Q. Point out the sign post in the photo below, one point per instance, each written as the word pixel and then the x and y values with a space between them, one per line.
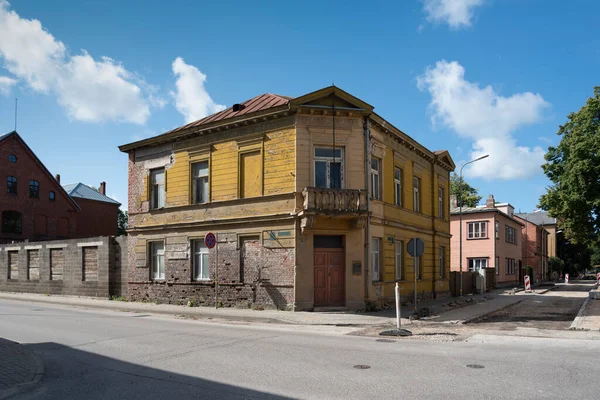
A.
pixel 415 248
pixel 398 331
pixel 210 240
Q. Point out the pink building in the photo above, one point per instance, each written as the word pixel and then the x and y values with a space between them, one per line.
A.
pixel 491 238
pixel 535 246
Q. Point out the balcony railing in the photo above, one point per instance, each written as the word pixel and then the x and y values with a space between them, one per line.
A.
pixel 334 201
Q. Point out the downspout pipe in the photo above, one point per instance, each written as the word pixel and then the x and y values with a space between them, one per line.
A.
pixel 433 236
pixel 367 133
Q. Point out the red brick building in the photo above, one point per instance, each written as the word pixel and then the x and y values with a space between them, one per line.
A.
pixel 535 247
pixel 99 213
pixel 34 206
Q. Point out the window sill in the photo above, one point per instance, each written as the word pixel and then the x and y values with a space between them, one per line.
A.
pixel 484 238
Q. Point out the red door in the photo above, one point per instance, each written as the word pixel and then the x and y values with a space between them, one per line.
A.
pixel 329 278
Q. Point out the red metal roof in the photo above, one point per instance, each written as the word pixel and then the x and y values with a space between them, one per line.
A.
pixel 258 103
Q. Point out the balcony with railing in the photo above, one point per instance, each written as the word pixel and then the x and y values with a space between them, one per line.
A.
pixel 335 201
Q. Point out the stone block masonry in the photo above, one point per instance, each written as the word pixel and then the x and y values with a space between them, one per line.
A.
pixel 82 267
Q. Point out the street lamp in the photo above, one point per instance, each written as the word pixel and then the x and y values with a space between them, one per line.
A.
pixel 460 184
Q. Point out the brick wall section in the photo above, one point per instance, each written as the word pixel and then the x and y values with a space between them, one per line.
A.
pixel 268 276
pixel 96 218
pixel 60 266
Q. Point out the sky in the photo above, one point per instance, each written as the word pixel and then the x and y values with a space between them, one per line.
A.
pixel 472 77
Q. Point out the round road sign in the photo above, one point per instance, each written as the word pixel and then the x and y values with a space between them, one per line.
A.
pixel 210 240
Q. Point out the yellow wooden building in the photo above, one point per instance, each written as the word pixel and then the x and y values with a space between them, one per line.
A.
pixel 313 200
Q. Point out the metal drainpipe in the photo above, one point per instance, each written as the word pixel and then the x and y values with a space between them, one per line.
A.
pixel 433 197
pixel 367 132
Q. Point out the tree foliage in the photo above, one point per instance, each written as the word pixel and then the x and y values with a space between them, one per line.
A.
pixel 458 187
pixel 574 169
pixel 122 222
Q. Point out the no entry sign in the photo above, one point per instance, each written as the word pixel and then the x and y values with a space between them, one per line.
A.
pixel 210 240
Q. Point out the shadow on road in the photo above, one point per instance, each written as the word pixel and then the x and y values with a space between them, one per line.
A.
pixel 71 373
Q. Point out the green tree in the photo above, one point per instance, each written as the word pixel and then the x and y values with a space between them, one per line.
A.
pixel 574 167
pixel 460 188
pixel 555 264
pixel 122 222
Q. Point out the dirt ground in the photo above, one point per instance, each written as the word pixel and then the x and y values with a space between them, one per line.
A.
pixel 552 311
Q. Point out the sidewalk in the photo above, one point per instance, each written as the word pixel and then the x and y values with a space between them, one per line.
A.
pixel 589 318
pixel 443 310
pixel 20 369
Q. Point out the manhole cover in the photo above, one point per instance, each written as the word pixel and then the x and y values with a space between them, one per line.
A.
pixel 362 366
pixel 385 340
pixel 475 366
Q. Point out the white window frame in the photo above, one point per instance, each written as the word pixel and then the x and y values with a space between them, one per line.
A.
pixel 196 180
pixel 157 256
pixel 482 261
pixel 416 194
pixel 442 261
pixel 328 161
pixel 477 230
pixel 200 272
pixel 156 189
pixel 399 252
pixel 440 202
pixel 497 230
pixel 376 179
pixel 376 259
pixel 398 186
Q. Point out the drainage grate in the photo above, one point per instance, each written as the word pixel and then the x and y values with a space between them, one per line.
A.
pixel 475 366
pixel 362 366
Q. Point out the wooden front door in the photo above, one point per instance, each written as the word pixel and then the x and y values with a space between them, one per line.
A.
pixel 329 278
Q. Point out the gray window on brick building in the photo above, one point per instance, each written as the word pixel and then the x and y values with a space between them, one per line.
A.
pixel 33 265
pixel 157 260
pixel 90 263
pixel 157 190
pixel 200 182
pixel 34 189
pixel 11 185
pixel 57 264
pixel 200 260
pixel 13 265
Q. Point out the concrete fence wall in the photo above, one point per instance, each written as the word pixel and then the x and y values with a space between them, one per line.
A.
pixel 84 267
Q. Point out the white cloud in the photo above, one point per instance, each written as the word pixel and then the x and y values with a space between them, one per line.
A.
pixel 90 90
pixel 6 84
pixel 487 118
pixel 191 98
pixel 456 13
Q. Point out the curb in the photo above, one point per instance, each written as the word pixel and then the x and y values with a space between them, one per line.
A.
pixel 473 319
pixel 38 374
pixel 579 316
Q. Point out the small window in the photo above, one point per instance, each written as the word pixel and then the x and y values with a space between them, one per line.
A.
pixel 510 235
pixel 441 202
pixel 497 230
pixel 52 196
pixel 11 222
pixel 399 260
pixel 416 194
pixel 376 258
pixel 477 230
pixel 157 259
pixel 12 158
pixel 157 191
pixel 475 264
pixel 398 187
pixel 34 189
pixel 200 182
pixel 442 261
pixel 375 179
pixel 497 265
pixel 11 185
pixel 200 260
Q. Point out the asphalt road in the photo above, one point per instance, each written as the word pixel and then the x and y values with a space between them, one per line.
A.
pixel 90 354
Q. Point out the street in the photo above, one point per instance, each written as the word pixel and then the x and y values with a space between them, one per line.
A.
pixel 91 354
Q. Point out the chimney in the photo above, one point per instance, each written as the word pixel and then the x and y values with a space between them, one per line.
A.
pixel 453 201
pixel 103 188
pixel 490 202
pixel 58 178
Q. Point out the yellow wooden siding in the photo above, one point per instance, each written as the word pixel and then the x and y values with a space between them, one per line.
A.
pixel 250 174
pixel 279 161
pixel 388 176
pixel 224 173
